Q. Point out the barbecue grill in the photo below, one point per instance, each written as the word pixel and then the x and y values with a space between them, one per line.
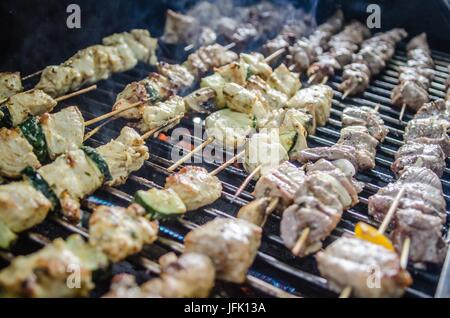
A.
pixel 274 264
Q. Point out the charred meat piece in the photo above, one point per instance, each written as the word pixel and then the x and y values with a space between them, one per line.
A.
pixel 282 182
pixel 425 233
pixel 429 130
pixel 352 262
pixel 419 155
pixel 415 197
pixel 367 117
pixel 231 244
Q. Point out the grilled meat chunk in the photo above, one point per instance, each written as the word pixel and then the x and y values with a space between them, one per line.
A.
pixel 120 232
pixel 22 206
pixel 49 272
pixel 282 182
pixel 367 117
pixel 355 78
pixel 415 196
pixel 81 177
pixel 335 152
pixel 284 81
pixel 274 98
pixel 325 66
pixel 124 155
pixel 155 115
pixel 201 100
pixel 63 130
pixel 16 153
pixel 231 244
pixel 29 103
pixel 419 155
pixel 429 130
pixel 10 84
pixel 209 57
pixel 229 128
pixel 180 29
pixel 195 186
pixel 191 275
pixel 352 262
pixel 178 75
pixel 364 144
pixel 425 233
pixel 316 100
pixel 410 93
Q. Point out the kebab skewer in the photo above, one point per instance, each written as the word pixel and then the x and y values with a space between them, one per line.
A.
pixel 369 61
pixel 340 53
pixel 415 78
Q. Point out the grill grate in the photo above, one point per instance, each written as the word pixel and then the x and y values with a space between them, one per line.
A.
pixel 274 263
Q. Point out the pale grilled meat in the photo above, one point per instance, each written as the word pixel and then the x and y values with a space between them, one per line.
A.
pixel 195 186
pixel 29 103
pixel 49 272
pixel 16 153
pixel 63 130
pixel 284 81
pixel 425 233
pixel 419 155
pixel 10 84
pixel 231 244
pixel 22 206
pixel 190 275
pixel 120 232
pixel 367 117
pixel 124 155
pixel 351 262
pixel 154 116
pixel 282 182
pixel 180 28
pixel 178 75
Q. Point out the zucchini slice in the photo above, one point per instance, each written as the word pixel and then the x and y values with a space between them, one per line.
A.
pixel 160 204
pixel 288 140
pixel 41 185
pixel 33 133
pixel 101 163
pixel 7 237
pixel 5 117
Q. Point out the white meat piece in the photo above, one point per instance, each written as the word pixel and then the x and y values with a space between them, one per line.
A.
pixel 231 244
pixel 156 115
pixel 285 81
pixel 10 84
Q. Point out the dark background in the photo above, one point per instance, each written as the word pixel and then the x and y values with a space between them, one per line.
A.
pixel 34 33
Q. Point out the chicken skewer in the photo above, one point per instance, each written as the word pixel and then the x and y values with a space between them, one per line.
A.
pixel 415 78
pixel 341 49
pixel 369 61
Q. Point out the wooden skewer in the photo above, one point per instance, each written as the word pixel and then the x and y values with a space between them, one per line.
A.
pixel 157 129
pixel 391 211
pixel 190 154
pixel 301 241
pixel 96 129
pixel 79 92
pixel 229 46
pixel 188 47
pixel 377 107
pixel 247 181
pixel 402 113
pixel 325 79
pixel 274 55
pixel 31 75
pixel 226 164
pixel 405 253
pixel 346 292
pixel 312 78
pixel 113 113
pixel 347 92
pixel 291 67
